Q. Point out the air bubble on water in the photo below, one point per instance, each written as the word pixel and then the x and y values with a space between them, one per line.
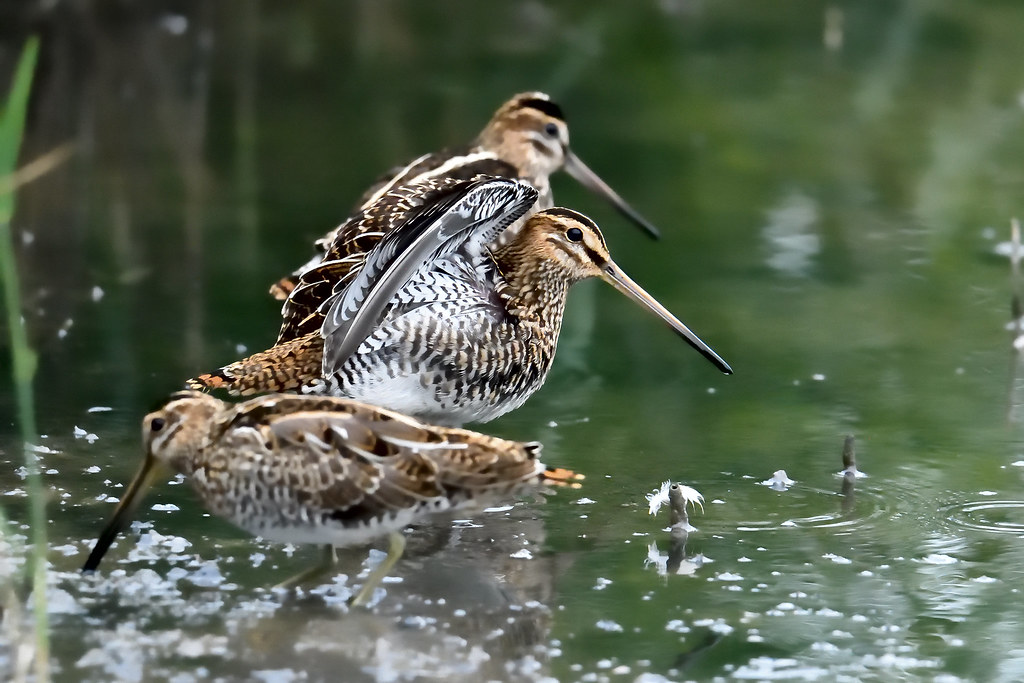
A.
pixel 207 645
pixel 716 625
pixel 206 576
pixel 59 601
pixel 609 626
pixel 779 481
pixel 83 434
pixel 176 573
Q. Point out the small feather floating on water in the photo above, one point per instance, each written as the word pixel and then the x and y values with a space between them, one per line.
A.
pixel 780 481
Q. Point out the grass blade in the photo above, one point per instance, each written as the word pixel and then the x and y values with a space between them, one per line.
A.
pixel 23 359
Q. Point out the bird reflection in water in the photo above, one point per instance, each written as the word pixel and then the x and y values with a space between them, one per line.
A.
pixel 676 561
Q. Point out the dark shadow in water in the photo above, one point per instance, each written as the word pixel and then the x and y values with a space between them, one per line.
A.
pixel 690 658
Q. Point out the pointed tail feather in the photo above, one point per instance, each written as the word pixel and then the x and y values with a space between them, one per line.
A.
pixel 552 476
pixel 559 476
pixel 282 288
pixel 285 367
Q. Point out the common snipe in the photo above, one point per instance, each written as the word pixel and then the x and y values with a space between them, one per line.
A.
pixel 307 469
pixel 527 138
pixel 435 323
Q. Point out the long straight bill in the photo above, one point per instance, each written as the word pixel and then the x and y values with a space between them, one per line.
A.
pixel 614 276
pixel 133 495
pixel 590 180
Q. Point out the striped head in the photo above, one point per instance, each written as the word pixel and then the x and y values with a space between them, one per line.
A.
pixel 529 132
pixel 564 244
pixel 173 435
pixel 558 247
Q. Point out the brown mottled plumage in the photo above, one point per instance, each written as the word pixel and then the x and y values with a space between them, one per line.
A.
pixel 527 138
pixel 305 469
pixel 347 253
pixel 467 339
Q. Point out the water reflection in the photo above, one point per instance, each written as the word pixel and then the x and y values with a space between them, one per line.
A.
pixel 676 562
pixel 466 603
pixel 791 235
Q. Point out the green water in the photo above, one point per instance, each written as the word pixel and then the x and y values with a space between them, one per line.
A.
pixel 832 182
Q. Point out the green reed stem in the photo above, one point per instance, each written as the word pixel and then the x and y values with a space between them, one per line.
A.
pixel 23 359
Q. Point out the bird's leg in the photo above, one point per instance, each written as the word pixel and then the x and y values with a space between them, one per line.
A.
pixel 327 563
pixel 395 550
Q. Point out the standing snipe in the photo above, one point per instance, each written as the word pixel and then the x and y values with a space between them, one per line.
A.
pixel 307 469
pixel 435 324
pixel 527 138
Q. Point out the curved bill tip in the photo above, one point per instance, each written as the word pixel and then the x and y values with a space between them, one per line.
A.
pixel 123 512
pixel 620 281
pixel 590 180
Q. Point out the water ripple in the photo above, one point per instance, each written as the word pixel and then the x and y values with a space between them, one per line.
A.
pixel 847 510
pixel 999 516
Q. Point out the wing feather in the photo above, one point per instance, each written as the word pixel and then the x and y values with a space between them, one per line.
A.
pixel 467 218
pixel 354 461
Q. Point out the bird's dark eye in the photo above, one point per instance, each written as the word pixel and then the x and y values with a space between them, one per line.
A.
pixel 551 130
pixel 574 235
pixel 157 424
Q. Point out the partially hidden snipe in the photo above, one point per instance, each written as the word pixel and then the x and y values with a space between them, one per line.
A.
pixel 526 139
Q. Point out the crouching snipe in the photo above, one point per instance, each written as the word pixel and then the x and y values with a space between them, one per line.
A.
pixel 305 469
